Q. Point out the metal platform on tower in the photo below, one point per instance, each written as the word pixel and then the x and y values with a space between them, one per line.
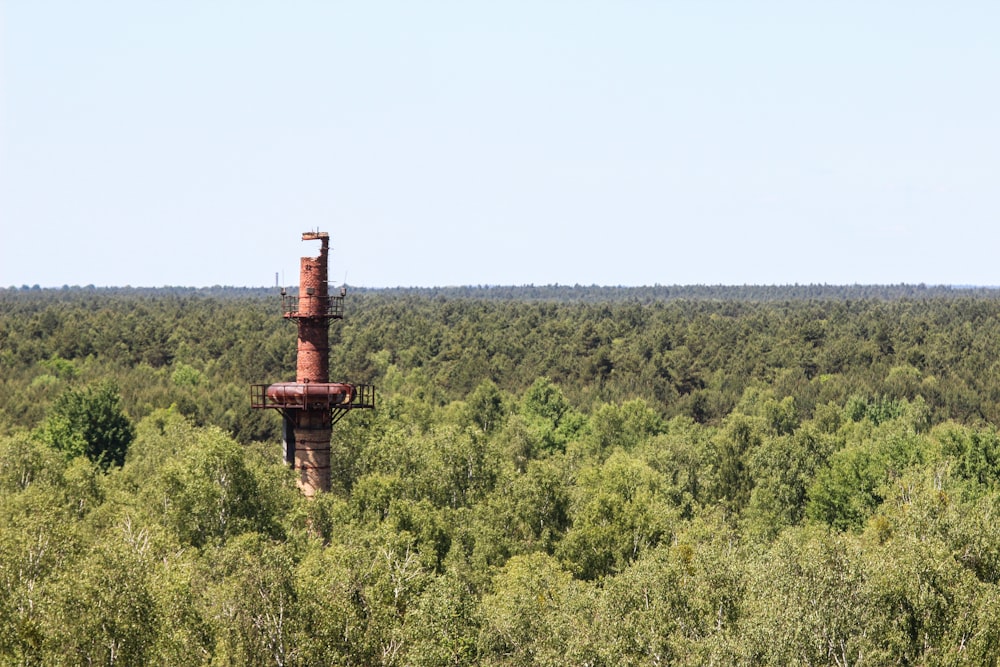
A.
pixel 337 397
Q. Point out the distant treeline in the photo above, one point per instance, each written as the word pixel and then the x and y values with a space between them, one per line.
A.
pixel 615 294
pixel 583 293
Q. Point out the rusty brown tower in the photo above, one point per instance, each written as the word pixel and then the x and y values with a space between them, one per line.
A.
pixel 312 404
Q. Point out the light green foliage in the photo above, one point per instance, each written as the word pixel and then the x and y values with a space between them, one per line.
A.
pixel 160 437
pixel 387 577
pixel 107 609
pixel 448 465
pixel 925 607
pixel 781 417
pixel 678 603
pixel 672 605
pixel 903 381
pixel 537 610
pixel 355 595
pixel 39 542
pixel 428 528
pixel 186 376
pixel 526 512
pixel 485 407
pixel 618 510
pixel 83 487
pixel 252 602
pixel 974 536
pixel 60 368
pixel 519 442
pixel 625 426
pixel 846 491
pixel 783 468
pixel 976 452
pixel 684 457
pixel 180 582
pixel 211 492
pixel 441 626
pixel 25 461
pixel 332 610
pixel 805 602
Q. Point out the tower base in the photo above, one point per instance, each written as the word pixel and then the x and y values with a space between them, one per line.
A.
pixel 310 449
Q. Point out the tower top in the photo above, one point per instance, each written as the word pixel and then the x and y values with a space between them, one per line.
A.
pixel 313 236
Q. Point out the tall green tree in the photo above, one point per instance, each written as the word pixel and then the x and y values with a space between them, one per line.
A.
pixel 90 422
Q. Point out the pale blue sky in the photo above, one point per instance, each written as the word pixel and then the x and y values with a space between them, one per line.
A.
pixel 616 142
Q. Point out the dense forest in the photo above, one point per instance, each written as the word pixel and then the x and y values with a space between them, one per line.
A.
pixel 802 475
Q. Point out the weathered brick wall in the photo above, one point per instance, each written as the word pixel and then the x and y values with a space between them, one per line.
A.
pixel 313 284
pixel 313 361
pixel 312 429
pixel 312 451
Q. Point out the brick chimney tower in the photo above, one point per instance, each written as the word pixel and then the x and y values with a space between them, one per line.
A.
pixel 312 404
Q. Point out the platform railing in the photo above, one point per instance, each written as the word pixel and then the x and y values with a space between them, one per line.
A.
pixel 331 307
pixel 364 396
pixel 258 396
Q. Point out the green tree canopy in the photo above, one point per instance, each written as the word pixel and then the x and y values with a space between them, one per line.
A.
pixel 89 422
